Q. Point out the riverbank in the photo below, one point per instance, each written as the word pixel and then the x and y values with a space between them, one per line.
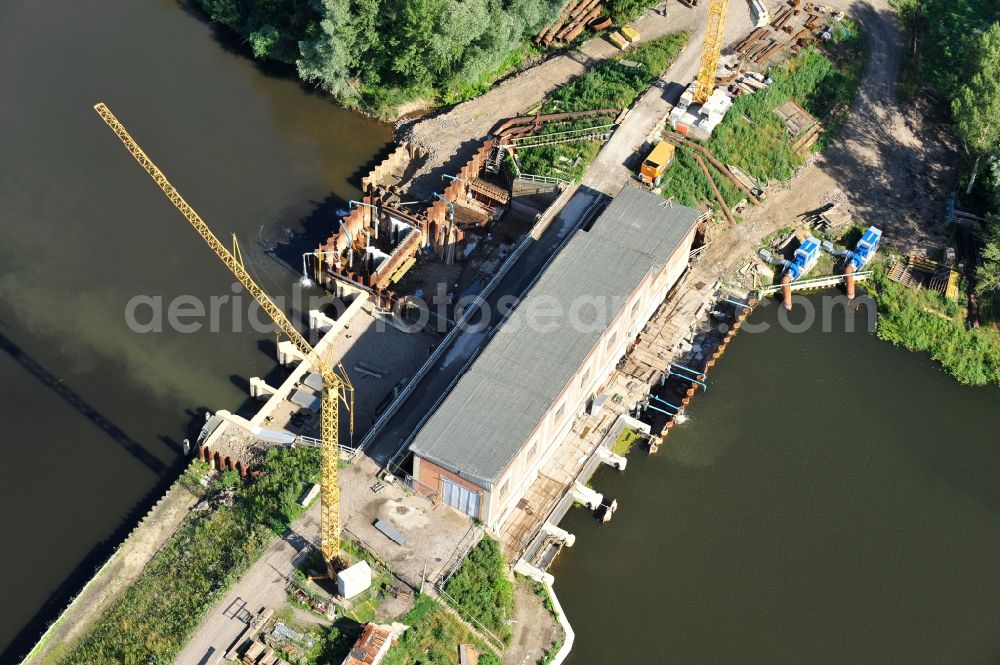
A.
pixel 925 320
pixel 117 574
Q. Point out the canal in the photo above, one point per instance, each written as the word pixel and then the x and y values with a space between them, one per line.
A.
pixel 93 414
pixel 832 499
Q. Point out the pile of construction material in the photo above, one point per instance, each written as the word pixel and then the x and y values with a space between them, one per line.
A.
pixel 803 127
pixel 578 15
pixel 766 41
pixel 748 82
pixel 831 216
pixel 622 38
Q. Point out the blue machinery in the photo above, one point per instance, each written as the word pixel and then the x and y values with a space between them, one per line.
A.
pixel 863 252
pixel 803 260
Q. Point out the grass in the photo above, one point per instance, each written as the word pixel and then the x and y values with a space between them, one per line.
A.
pixel 433 636
pixel 626 11
pixel 608 85
pixel 482 590
pixel 752 137
pixel 623 444
pixel 906 318
pixel 153 618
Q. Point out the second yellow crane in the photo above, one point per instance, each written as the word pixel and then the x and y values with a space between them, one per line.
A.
pixel 334 384
pixel 711 51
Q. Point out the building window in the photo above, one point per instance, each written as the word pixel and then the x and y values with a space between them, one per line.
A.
pixel 533 450
pixel 585 378
pixel 559 412
pixel 503 489
pixel 612 340
pixel 635 310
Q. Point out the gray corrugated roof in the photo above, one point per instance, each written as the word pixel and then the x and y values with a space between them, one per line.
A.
pixel 641 221
pixel 495 406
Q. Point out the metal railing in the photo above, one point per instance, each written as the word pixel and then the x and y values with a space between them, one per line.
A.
pixel 816 282
pixel 313 442
pixel 538 140
pixel 548 180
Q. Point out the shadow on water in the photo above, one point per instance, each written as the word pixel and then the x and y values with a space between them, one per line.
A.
pixel 316 227
pixel 96 557
pixel 71 397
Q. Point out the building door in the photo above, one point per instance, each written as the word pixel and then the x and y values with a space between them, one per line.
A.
pixel 461 498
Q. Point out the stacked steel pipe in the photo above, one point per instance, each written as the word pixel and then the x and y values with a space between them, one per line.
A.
pixel 578 15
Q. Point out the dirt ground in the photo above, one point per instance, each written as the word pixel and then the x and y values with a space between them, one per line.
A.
pixel 892 163
pixel 450 137
pixel 534 628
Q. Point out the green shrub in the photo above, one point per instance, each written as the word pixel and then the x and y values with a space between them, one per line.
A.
pixel 433 636
pixel 754 139
pixel 625 11
pixel 971 356
pixel 481 588
pixel 155 615
pixel 609 85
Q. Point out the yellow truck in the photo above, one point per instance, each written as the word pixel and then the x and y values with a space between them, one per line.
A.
pixel 656 163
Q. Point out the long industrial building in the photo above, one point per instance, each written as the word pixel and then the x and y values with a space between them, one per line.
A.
pixel 506 416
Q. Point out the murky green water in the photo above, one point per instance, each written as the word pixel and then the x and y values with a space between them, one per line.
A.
pixel 92 413
pixel 831 500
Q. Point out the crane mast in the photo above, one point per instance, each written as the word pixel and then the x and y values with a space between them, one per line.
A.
pixel 712 49
pixel 333 384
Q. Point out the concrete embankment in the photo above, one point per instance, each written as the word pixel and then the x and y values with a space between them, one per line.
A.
pixel 117 573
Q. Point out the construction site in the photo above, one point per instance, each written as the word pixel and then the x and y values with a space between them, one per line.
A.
pixel 439 421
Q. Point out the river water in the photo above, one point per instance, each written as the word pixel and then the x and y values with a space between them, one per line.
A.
pixel 92 413
pixel 831 500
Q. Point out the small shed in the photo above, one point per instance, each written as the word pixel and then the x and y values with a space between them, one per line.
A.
pixel 354 580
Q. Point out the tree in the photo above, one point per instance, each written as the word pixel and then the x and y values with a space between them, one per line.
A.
pixel 988 274
pixel 976 106
pixel 326 58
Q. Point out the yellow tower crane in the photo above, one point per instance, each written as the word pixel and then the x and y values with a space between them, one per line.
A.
pixel 335 384
pixel 710 52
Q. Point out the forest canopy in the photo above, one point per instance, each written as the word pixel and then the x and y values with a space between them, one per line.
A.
pixel 378 54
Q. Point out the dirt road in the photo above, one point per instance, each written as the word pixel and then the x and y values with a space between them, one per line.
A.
pixel 451 137
pixel 892 163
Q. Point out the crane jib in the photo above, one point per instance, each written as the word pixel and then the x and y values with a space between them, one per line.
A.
pixel 333 384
